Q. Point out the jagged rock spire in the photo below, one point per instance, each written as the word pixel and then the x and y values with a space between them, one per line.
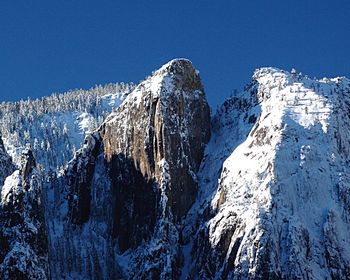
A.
pixel 27 162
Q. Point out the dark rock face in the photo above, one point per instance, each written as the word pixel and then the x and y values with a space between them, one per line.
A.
pixel 23 242
pixel 134 201
pixel 79 178
pixel 7 167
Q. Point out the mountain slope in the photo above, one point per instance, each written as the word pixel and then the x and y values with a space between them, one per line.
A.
pixel 280 208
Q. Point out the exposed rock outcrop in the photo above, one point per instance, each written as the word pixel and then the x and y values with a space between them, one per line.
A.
pixel 135 178
pixel 23 236
pixel 166 118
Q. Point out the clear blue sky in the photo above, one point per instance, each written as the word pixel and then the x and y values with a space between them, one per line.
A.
pixel 53 46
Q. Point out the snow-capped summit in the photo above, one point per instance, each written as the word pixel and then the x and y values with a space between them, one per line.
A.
pixel 178 74
pixel 176 65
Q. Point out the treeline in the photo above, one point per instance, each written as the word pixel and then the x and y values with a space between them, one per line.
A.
pixel 52 125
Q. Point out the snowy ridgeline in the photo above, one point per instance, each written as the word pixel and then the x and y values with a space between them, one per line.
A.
pixel 55 126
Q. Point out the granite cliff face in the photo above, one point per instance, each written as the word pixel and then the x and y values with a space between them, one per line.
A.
pixel 164 124
pixel 163 191
pixel 135 178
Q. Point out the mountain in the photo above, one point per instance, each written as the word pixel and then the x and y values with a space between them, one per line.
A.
pixel 162 190
pixel 124 197
pixel 280 207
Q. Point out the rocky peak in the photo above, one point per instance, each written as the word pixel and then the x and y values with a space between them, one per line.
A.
pixel 281 193
pixel 185 76
pixel 135 178
pixel 165 119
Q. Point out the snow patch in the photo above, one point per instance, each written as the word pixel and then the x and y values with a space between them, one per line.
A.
pixel 12 185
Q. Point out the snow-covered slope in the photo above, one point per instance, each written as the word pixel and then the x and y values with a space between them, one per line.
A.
pixel 280 206
pixel 55 126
